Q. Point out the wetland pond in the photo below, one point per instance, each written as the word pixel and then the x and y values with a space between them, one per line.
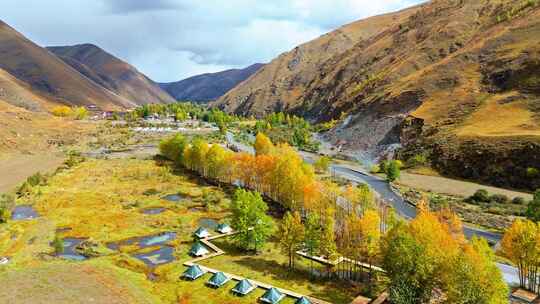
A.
pixel 208 223
pixel 153 211
pixel 24 212
pixel 144 241
pixel 160 256
pixel 174 197
pixel 70 249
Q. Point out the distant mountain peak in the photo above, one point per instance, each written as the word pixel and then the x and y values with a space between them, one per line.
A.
pixel 209 86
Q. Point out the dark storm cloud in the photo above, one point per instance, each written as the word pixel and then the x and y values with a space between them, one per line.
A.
pixel 172 39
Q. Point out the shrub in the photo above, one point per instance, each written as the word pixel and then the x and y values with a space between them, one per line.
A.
pixel 499 198
pixel 518 200
pixel 6 203
pixel 61 111
pixel 79 113
pixel 37 179
pixel 416 161
pixel 532 172
pixel 480 196
pixel 24 189
pixel 384 165
pixel 322 164
pixel 399 163
pixel 392 171
pixel 58 245
pixel 375 169
pixel 74 158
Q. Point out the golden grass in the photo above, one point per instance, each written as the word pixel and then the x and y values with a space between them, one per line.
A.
pixel 496 119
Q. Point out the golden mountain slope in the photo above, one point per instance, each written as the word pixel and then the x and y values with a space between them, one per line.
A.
pixel 49 76
pixel 112 73
pixel 457 79
pixel 281 84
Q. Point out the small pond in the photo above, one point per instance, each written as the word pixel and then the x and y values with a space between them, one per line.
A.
pixel 70 249
pixel 153 211
pixel 208 223
pixel 163 255
pixel 23 212
pixel 144 241
pixel 174 197
pixel 196 209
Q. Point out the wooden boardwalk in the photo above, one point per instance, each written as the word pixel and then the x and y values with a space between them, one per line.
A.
pixel 337 261
pixel 218 252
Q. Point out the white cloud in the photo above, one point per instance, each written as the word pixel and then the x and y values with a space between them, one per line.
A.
pixel 172 39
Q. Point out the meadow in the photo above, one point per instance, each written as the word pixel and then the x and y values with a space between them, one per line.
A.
pixel 105 203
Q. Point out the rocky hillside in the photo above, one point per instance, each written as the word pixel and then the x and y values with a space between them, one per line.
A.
pixel 28 67
pixel 210 86
pixel 112 73
pixel 457 80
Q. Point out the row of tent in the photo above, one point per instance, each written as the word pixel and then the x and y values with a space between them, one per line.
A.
pixel 243 287
pixel 199 249
pixel 202 233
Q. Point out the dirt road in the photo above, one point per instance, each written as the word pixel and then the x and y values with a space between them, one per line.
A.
pixel 451 186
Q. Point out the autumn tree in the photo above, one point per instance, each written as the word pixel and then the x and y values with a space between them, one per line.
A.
pixel 173 148
pixel 521 244
pixel 312 236
pixel 327 246
pixel 322 164
pixel 291 235
pixel 370 235
pixel 199 148
pixel 475 278
pixel 424 256
pixel 216 162
pixel 250 220
pixel 263 145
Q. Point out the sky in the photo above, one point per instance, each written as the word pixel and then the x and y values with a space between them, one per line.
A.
pixel 169 40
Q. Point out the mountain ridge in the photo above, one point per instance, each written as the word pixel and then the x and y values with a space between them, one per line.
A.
pixel 209 86
pixel 48 76
pixel 112 73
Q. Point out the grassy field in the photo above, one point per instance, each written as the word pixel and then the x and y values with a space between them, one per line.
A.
pixel 103 200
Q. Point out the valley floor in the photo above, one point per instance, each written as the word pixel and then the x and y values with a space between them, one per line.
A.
pixel 104 202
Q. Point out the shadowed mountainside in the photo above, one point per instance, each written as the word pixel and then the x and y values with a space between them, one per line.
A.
pixel 112 73
pixel 210 86
pixel 458 80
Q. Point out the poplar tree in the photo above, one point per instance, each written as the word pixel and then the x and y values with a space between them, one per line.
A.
pixel 263 145
pixel 291 235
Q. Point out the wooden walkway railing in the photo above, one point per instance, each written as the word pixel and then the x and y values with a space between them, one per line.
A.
pixel 337 261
